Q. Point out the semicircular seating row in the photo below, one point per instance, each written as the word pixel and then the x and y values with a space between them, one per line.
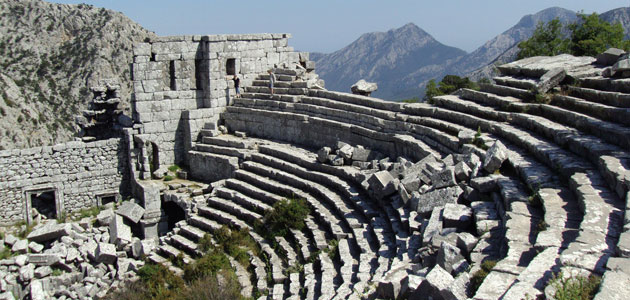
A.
pixel 571 154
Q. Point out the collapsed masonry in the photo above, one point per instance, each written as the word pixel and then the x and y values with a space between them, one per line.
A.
pixel 407 222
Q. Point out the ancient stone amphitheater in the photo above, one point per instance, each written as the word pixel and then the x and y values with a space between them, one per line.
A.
pixel 556 204
pixel 530 172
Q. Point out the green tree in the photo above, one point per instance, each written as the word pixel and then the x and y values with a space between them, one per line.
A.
pixel 431 91
pixel 547 39
pixel 591 35
pixel 451 83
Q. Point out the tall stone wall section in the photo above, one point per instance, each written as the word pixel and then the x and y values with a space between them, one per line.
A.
pixel 182 82
pixel 78 173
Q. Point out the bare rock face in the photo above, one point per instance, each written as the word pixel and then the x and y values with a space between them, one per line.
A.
pixel 51 55
pixel 363 87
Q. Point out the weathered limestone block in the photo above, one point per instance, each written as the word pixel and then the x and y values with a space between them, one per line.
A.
pixel 346 152
pixel 448 256
pixel 106 253
pixel 466 242
pixel 438 284
pixel 425 203
pixel 609 57
pixel 457 216
pixel 551 79
pixel 131 211
pixel 393 284
pixel 43 259
pixel 363 87
pixel 48 232
pixel 495 156
pixel 322 154
pixel 119 232
pixel 104 217
pixel 21 246
pixel 382 184
pixel 462 172
pixel 444 178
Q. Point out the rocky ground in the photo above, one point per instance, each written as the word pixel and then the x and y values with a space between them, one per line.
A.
pixel 83 259
pixel 50 55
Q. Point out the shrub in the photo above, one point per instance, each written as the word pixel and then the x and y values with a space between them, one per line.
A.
pixel 575 288
pixel 411 100
pixel 285 215
pixel 5 253
pixel 236 243
pixel 174 168
pixel 158 282
pixel 547 39
pixel 205 243
pixel 209 264
pixel 168 178
pixel 477 279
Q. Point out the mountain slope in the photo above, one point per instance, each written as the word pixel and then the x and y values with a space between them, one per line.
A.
pixel 387 58
pixel 621 15
pixel 50 54
pixel 506 42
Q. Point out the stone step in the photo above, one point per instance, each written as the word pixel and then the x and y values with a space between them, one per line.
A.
pixel 170 251
pixel 279 77
pixel 260 274
pixel 157 259
pixel 279 188
pixel 242 276
pixel 426 137
pixel 290 254
pixel 265 96
pixel 230 141
pixel 252 191
pixel 502 90
pixel 234 209
pixel 228 151
pixel 192 233
pixel 277 84
pixel 222 217
pixel 621 85
pixel 185 244
pixel 204 223
pixel 245 201
pixel 276 91
pixel 595 110
pixel 607 157
pixel 523 83
pixel 536 276
pixel 615 99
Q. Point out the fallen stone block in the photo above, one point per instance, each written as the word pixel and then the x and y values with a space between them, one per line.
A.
pixel 48 232
pixel 346 152
pixel 131 211
pixel 21 246
pixel 462 172
pixel 44 259
pixel 105 216
pixel 444 178
pixel 609 57
pixel 485 184
pixel 10 239
pixel 335 160
pixel 393 284
pixel 448 255
pixel 119 232
pixel 457 216
pixel 382 184
pixel 35 247
pixel 466 242
pixel 425 203
pixel 550 79
pixel 106 253
pixel 322 154
pixel 495 156
pixel 363 87
pixel 438 284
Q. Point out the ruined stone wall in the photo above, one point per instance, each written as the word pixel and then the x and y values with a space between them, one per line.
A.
pixel 79 174
pixel 182 82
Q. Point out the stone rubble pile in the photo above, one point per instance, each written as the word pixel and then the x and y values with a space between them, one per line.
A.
pixel 452 215
pixel 78 260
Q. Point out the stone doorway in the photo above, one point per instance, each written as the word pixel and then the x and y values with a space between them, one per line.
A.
pixel 153 154
pixel 174 213
pixel 230 66
pixel 42 204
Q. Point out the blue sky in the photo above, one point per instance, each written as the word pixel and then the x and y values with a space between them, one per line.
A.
pixel 329 25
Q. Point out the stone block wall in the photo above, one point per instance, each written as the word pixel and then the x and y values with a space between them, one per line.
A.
pixel 175 76
pixel 78 173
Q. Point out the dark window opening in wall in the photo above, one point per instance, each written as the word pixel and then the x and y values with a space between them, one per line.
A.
pixel 230 66
pixel 171 72
pixel 154 156
pixel 198 80
pixel 43 205
pixel 152 57
pixel 174 213
pixel 106 199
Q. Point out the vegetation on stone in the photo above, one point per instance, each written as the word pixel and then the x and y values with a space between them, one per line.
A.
pixel 285 215
pixel 575 287
pixel 589 36
pixel 477 279
pixel 448 84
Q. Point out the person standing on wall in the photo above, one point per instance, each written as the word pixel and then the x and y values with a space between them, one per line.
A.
pixel 237 86
pixel 272 80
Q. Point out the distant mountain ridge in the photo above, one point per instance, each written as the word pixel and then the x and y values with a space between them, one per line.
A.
pixel 337 68
pixel 387 58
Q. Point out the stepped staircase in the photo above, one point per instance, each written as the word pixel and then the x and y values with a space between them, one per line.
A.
pixel 561 211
